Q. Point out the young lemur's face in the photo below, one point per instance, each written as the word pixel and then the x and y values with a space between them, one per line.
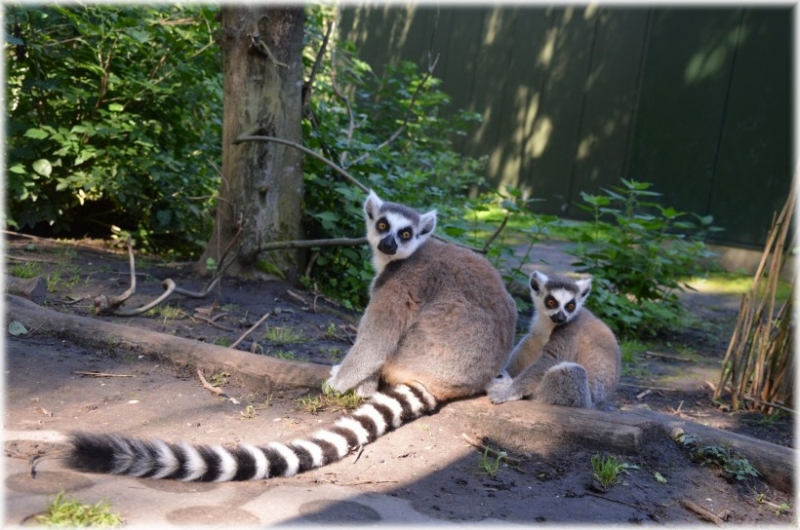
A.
pixel 396 231
pixel 557 297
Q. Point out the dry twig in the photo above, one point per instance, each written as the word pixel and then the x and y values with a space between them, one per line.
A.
pixel 702 512
pixel 249 331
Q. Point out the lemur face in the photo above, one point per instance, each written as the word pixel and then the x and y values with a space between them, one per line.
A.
pixel 395 231
pixel 557 297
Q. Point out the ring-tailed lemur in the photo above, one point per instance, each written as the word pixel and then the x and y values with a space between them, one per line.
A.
pixel 439 325
pixel 569 356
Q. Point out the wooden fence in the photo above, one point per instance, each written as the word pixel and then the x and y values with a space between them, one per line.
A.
pixel 697 101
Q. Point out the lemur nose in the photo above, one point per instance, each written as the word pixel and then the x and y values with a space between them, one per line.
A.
pixel 388 245
pixel 559 318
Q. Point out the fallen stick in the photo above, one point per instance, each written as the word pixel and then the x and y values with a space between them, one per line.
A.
pixel 668 357
pixel 249 331
pixel 208 386
pixel 101 374
pixel 499 454
pixel 702 512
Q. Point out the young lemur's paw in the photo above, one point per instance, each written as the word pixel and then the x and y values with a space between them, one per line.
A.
pixel 501 389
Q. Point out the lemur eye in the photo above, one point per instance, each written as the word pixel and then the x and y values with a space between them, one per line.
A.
pixel 382 226
pixel 550 303
pixel 406 234
pixel 571 306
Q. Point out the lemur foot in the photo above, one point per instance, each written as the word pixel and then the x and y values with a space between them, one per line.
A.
pixel 501 389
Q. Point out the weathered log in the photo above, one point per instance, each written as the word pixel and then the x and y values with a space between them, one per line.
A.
pixel 31 288
pixel 97 333
pixel 524 425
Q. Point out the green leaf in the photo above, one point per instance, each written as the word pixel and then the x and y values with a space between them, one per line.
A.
pixel 115 107
pixel 17 168
pixel 43 167
pixel 17 328
pixel 37 134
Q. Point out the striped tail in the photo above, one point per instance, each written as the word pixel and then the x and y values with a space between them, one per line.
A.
pixel 122 455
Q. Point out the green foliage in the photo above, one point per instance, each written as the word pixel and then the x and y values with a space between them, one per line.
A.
pixel 733 465
pixel 69 513
pixel 606 469
pixel 114 120
pixel 638 251
pixel 329 399
pixel 419 167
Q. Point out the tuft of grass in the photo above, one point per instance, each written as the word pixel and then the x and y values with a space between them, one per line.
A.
pixel 64 512
pixel 329 399
pixel 283 335
pixel 606 469
pixel 166 311
pixel 489 465
pixel 25 270
pixel 281 354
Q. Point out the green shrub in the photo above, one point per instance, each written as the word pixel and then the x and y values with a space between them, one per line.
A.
pixel 638 251
pixel 419 167
pixel 114 120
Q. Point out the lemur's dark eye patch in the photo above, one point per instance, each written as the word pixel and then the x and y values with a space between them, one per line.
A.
pixel 406 234
pixel 550 302
pixel 382 225
pixel 571 306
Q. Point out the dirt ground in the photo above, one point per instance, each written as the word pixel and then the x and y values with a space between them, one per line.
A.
pixel 427 462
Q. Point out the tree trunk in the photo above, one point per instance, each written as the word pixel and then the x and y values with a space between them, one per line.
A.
pixel 262 183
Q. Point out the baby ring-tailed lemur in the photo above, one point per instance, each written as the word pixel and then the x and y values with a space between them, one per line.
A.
pixel 569 356
pixel 439 325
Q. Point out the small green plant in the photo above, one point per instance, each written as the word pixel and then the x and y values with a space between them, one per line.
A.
pixel 721 457
pixel 222 341
pixel 490 465
pixel 283 335
pixel 219 379
pixel 248 413
pixel 25 270
pixel 638 253
pixel 606 469
pixel 330 331
pixel 334 353
pixel 329 399
pixel 166 312
pixel 64 512
pixel 281 354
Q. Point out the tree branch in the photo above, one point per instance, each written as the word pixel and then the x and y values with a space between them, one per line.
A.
pixel 248 138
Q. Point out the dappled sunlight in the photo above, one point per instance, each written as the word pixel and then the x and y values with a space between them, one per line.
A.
pixel 721 285
pixel 546 54
pixel 711 60
pixel 494 26
pixel 542 130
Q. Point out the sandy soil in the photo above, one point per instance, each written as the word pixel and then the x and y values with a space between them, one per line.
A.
pixel 427 462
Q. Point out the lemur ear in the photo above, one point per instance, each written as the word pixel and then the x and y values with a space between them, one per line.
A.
pixel 584 286
pixel 372 204
pixel 538 279
pixel 427 223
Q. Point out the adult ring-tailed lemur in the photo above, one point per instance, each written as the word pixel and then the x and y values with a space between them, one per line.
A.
pixel 439 326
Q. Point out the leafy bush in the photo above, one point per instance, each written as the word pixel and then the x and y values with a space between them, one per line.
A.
pixel 638 251
pixel 114 119
pixel 419 167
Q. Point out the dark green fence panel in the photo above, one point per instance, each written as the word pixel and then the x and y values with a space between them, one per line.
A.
pixel 754 161
pixel 696 101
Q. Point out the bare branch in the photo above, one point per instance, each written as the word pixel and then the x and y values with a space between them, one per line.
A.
pixel 306 150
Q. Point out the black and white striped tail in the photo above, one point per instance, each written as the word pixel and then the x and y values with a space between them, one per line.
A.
pixel 123 455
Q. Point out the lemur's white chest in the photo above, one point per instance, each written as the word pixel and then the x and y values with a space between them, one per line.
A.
pixel 541 328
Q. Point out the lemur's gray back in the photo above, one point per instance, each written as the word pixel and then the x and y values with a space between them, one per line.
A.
pixel 439 326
